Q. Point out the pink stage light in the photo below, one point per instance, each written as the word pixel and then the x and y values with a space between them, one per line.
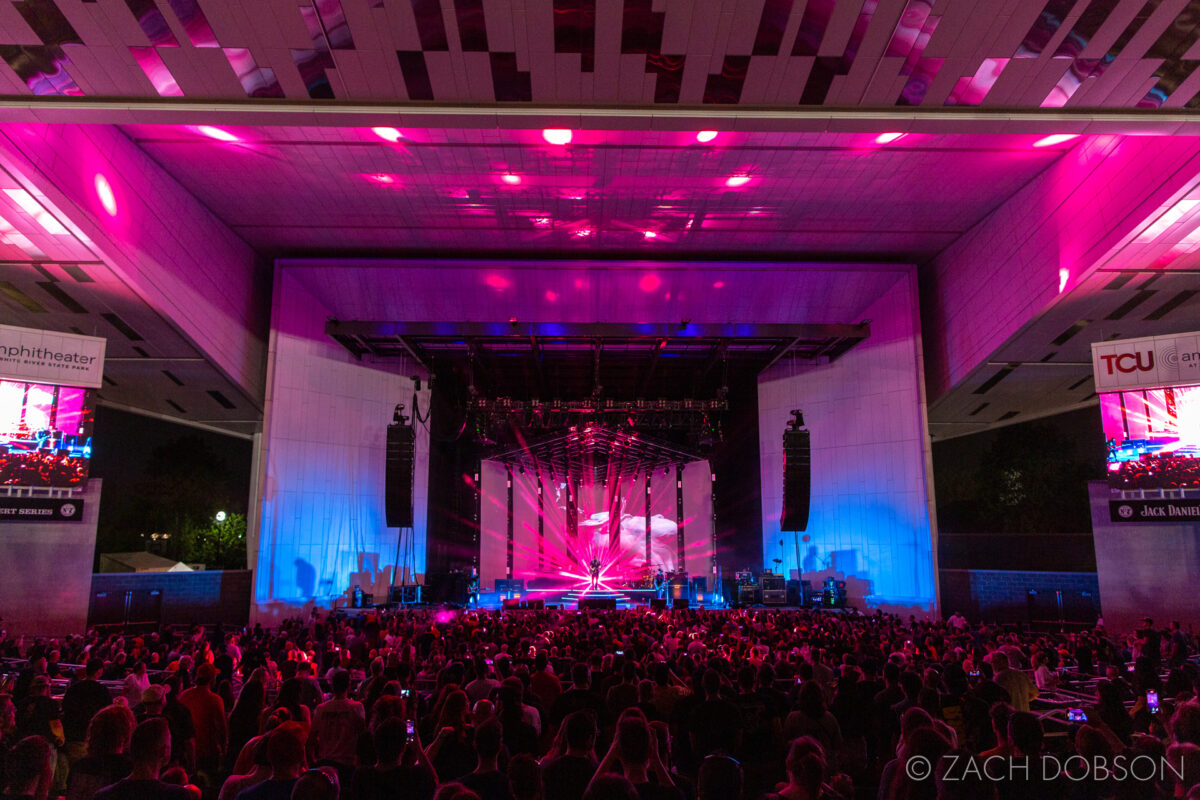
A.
pixel 551 296
pixel 105 193
pixel 718 284
pixel 497 281
pixel 511 179
pixel 220 134
pixel 559 136
pixel 649 235
pixel 1055 138
pixel 381 177
pixel 888 138
pixel 388 134
pixel 649 283
pixel 1064 275
pixel 704 137
pixel 583 233
pixel 540 222
pixel 734 181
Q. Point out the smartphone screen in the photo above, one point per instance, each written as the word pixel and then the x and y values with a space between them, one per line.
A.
pixel 410 728
pixel 1076 715
pixel 1152 701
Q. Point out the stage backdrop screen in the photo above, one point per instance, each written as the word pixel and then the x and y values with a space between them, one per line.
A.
pixel 1153 437
pixel 45 434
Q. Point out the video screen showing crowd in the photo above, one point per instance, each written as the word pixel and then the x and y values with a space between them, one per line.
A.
pixel 45 434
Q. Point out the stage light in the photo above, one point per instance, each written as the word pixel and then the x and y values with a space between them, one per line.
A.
pixel 706 136
pixel 1055 138
pixel 388 134
pixel 497 281
pixel 511 179
pixel 219 134
pixel 559 136
pixel 105 193
pixel 734 181
pixel 649 234
pixel 888 138
pixel 718 284
pixel 583 233
pixel 1064 275
pixel 551 296
pixel 649 283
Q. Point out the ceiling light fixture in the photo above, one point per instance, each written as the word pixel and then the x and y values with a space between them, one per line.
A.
pixel 888 138
pixel 220 134
pixel 105 193
pixel 734 181
pixel 704 137
pixel 511 179
pixel 1055 138
pixel 388 134
pixel 559 136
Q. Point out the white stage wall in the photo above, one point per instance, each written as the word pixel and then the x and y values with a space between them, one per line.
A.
pixel 871 520
pixel 322 527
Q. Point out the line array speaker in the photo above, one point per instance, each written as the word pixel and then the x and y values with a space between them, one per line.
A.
pixel 398 478
pixel 797 480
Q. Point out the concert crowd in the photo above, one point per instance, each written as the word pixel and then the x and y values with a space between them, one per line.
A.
pixel 601 705
pixel 1158 472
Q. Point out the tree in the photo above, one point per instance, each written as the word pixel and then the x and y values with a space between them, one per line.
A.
pixel 221 544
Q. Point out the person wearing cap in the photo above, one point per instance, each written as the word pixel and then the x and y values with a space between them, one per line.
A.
pixel 208 715
pixel 156 703
pixel 82 701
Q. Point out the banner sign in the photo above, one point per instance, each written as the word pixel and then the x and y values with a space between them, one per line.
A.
pixel 62 359
pixel 1151 362
pixel 1185 510
pixel 40 509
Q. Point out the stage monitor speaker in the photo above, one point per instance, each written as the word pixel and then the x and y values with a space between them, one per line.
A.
pixel 536 605
pixel 797 480
pixel 510 605
pixel 398 476
pixel 680 604
pixel 658 603
pixel 404 594
pixel 598 603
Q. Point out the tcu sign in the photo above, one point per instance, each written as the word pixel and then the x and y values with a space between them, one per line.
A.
pixel 1149 363
pixel 1128 362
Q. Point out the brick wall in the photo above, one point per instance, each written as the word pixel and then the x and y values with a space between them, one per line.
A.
pixel 187 597
pixel 1004 596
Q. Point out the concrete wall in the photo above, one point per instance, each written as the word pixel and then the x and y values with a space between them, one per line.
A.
pixel 1002 273
pixel 188 598
pixel 321 525
pixel 1003 595
pixel 871 521
pixel 48 571
pixel 1146 570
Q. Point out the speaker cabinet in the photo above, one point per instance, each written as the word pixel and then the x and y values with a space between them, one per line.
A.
pixel 797 480
pixel 598 603
pixel 510 605
pixel 680 604
pixel 659 603
pixel 398 477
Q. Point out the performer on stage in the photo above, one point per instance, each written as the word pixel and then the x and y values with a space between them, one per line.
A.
pixel 473 588
pixel 660 583
pixel 595 572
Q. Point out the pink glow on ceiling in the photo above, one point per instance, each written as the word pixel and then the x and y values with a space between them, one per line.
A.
pixel 220 134
pixel 540 222
pixel 511 179
pixel 551 296
pixel 497 281
pixel 104 191
pixel 1168 218
pixel 649 282
pixel 381 177
pixel 704 137
pixel 888 138
pixel 1064 275
pixel 718 284
pixel 584 233
pixel 388 134
pixel 1055 138
pixel 649 235
pixel 34 209
pixel 734 181
pixel 559 136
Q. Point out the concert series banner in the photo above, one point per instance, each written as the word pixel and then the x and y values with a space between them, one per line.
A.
pixel 1186 510
pixel 50 357
pixel 40 509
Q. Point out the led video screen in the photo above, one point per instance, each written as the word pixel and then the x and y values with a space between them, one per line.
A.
pixel 45 434
pixel 1153 437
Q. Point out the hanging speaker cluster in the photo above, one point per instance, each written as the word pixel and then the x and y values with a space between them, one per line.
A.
pixel 398 495
pixel 797 476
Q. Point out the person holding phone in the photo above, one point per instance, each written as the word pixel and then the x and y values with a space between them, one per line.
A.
pixel 402 771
